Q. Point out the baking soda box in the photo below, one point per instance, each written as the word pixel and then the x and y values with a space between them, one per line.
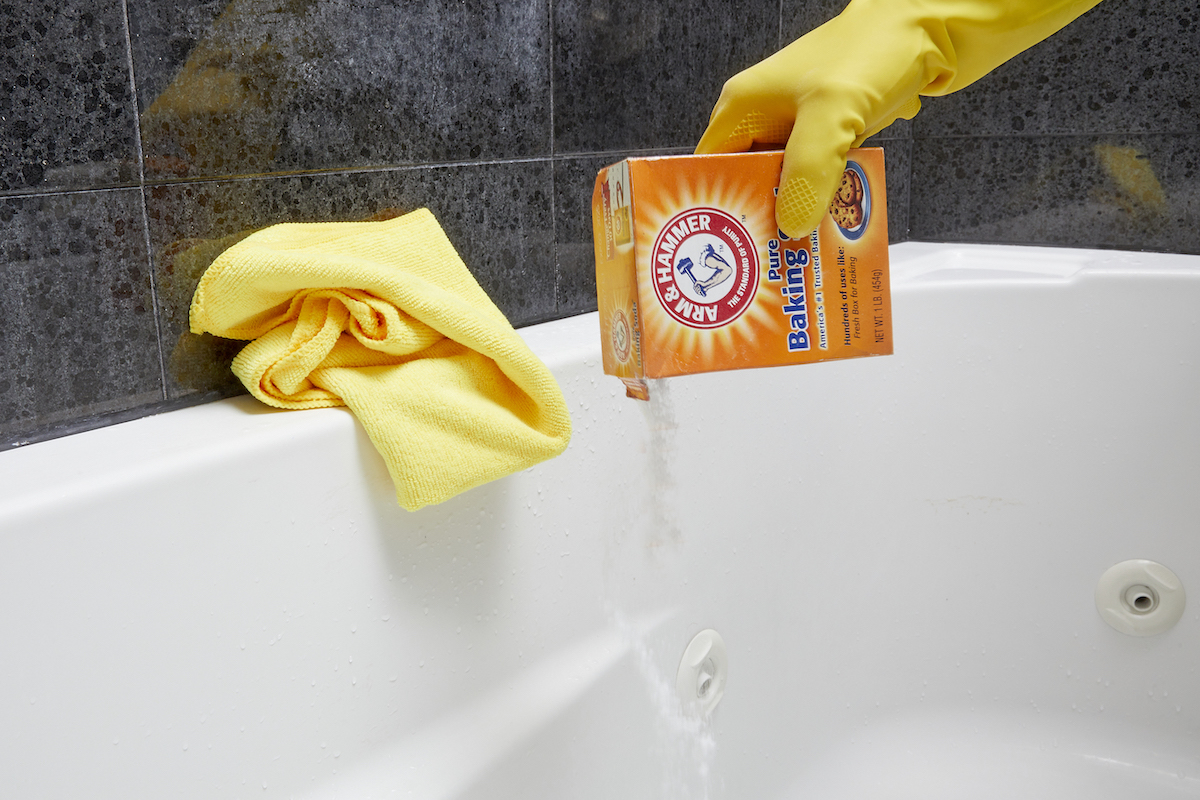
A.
pixel 693 275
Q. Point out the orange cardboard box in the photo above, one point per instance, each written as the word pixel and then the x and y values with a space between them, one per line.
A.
pixel 692 274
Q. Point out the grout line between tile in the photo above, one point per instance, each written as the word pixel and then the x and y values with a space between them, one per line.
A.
pixel 550 63
pixel 619 154
pixel 553 193
pixel 125 187
pixel 141 173
pixel 316 173
pixel 1054 135
pixel 908 195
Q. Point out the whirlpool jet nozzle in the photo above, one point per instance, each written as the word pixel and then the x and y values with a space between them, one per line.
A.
pixel 702 670
pixel 1140 597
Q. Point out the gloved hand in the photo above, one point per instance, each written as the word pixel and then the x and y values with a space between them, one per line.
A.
pixel 860 72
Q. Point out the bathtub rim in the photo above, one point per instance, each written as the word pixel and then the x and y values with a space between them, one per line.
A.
pixel 90 461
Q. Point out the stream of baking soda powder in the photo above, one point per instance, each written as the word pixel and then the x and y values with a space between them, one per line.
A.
pixel 686 743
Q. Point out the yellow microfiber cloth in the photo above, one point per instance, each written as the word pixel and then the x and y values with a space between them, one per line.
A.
pixel 384 317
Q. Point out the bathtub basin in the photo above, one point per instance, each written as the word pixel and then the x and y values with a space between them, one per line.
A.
pixel 900 554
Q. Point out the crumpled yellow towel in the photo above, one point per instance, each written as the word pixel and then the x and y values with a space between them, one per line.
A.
pixel 385 318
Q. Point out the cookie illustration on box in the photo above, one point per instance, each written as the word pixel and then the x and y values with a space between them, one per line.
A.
pixel 847 217
pixel 850 191
pixel 851 206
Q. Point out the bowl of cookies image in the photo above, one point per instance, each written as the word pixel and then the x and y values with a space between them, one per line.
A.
pixel 851 206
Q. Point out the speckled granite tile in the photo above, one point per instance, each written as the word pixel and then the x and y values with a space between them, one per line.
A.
pixel 798 17
pixel 639 75
pixel 1138 192
pixel 247 87
pixel 1120 68
pixel 496 215
pixel 163 36
pixel 574 254
pixel 79 335
pixel 897 162
pixel 66 113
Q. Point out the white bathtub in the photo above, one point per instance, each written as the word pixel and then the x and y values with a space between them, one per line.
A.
pixel 900 554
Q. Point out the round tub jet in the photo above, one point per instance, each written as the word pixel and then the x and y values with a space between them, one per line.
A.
pixel 702 672
pixel 1140 597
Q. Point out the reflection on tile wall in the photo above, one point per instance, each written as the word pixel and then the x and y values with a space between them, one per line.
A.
pixel 138 138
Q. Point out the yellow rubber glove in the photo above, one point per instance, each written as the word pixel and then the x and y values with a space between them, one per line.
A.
pixel 860 72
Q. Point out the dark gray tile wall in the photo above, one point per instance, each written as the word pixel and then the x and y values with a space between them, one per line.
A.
pixel 79 336
pixel 66 114
pixel 1089 139
pixel 139 138
pixel 635 75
